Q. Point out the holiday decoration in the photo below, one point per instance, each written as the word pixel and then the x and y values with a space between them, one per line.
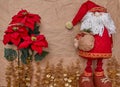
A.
pixel 113 71
pixel 23 32
pixel 84 41
pixel 19 75
pixel 25 18
pixel 97 21
pixel 49 76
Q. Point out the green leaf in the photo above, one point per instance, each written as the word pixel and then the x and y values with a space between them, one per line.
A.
pixel 24 55
pixel 36 30
pixel 39 57
pixel 10 54
pixel 87 30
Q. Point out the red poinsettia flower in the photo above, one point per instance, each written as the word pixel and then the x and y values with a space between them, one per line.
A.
pixel 26 18
pixel 14 34
pixel 35 42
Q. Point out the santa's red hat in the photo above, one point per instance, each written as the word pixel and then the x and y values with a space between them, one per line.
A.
pixel 87 6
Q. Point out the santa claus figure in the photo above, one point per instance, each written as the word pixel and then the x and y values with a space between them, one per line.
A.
pixel 97 20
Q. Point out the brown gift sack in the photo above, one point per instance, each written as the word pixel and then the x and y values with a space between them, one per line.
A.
pixel 85 41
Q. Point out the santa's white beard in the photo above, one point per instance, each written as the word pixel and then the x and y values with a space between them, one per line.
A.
pixel 97 21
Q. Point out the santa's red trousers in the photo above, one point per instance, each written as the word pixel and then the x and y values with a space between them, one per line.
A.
pixel 98 67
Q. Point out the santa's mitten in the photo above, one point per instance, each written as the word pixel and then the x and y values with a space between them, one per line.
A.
pixel 69 25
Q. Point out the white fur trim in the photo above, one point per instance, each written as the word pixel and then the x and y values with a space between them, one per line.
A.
pixel 97 21
pixel 105 80
pixel 85 79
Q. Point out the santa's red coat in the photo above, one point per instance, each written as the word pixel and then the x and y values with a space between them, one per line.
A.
pixel 102 47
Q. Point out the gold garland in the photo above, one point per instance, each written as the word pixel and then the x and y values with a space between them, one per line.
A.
pixel 53 75
pixel 61 77
pixel 50 76
pixel 8 74
pixel 38 75
pixel 113 71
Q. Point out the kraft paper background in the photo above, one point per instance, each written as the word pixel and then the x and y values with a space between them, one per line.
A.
pixel 54 14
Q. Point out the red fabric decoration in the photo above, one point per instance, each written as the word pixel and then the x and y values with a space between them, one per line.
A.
pixel 88 66
pixel 36 43
pixel 101 30
pixel 99 66
pixel 14 34
pixel 102 44
pixel 83 10
pixel 26 18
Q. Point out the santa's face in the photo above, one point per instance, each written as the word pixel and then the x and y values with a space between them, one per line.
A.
pixel 98 14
